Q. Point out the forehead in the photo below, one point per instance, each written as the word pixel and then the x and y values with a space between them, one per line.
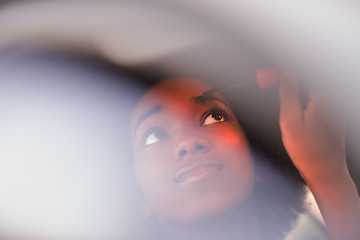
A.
pixel 175 92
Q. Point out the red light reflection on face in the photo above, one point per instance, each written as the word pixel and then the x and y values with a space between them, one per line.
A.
pixel 191 157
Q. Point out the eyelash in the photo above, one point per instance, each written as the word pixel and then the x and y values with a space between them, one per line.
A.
pixel 220 111
pixel 160 133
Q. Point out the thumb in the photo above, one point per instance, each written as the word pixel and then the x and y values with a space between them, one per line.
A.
pixel 290 105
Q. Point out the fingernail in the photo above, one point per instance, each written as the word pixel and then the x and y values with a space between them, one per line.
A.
pixel 268 77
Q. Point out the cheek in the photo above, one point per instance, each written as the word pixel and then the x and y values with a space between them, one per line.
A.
pixel 152 171
pixel 148 165
pixel 233 145
pixel 231 135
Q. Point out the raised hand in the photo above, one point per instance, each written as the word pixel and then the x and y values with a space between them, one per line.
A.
pixel 315 140
pixel 313 136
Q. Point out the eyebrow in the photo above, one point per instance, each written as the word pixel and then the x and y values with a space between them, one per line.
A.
pixel 146 115
pixel 206 96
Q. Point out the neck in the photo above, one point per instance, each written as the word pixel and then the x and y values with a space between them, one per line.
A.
pixel 238 223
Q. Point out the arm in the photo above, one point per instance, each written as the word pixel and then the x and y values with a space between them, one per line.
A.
pixel 317 148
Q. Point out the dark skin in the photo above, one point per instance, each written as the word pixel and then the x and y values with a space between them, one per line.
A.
pixel 179 131
pixel 317 148
pixel 200 141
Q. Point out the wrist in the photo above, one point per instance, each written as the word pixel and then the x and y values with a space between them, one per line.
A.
pixel 327 185
pixel 328 173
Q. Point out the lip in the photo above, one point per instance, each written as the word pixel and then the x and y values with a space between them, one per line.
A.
pixel 197 171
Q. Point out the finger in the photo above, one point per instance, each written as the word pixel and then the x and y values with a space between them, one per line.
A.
pixel 326 108
pixel 290 105
pixel 325 101
pixel 316 98
pixel 268 77
pixel 319 101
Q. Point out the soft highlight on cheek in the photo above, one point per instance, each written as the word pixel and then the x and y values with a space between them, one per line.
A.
pixel 231 137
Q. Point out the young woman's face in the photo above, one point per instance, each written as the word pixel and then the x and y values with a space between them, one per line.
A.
pixel 191 157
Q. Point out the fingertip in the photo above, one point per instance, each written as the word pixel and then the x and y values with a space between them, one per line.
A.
pixel 290 106
pixel 288 83
pixel 268 77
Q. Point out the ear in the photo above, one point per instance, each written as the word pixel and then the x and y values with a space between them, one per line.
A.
pixel 147 212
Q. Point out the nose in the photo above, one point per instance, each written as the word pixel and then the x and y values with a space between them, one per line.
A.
pixel 191 145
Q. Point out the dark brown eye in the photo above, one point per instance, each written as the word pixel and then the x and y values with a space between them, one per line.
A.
pixel 217 116
pixel 214 116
